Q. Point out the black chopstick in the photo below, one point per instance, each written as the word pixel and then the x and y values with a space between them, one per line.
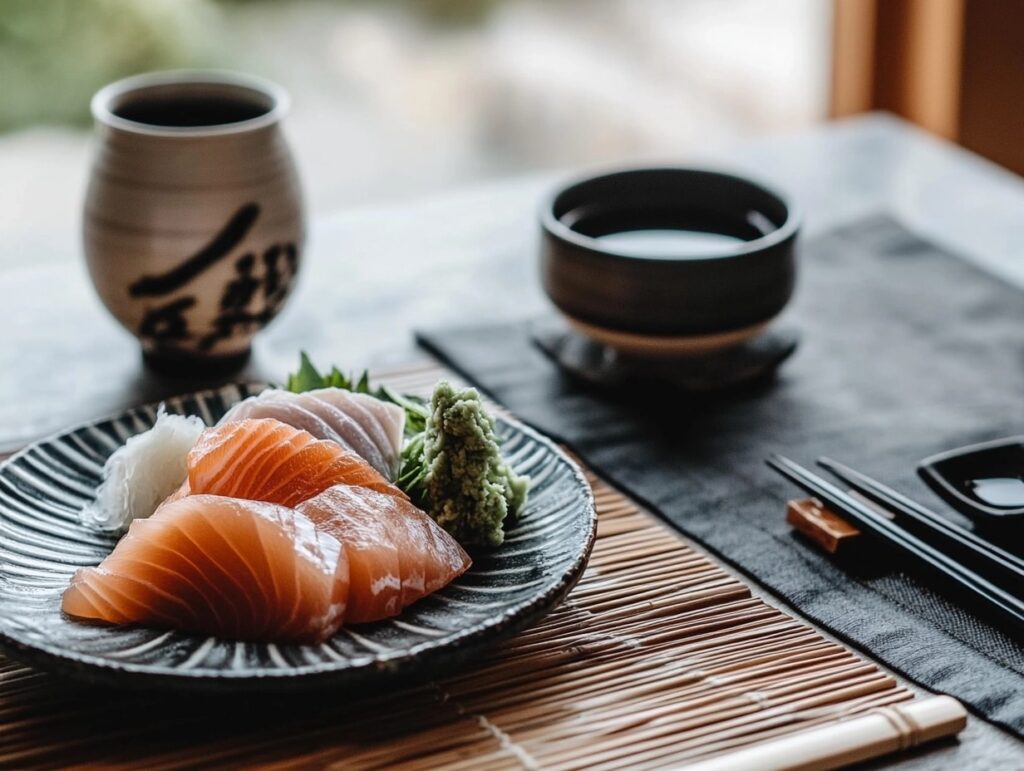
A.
pixel 926 555
pixel 985 556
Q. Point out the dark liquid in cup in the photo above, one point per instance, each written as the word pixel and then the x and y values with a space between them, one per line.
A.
pixel 189 111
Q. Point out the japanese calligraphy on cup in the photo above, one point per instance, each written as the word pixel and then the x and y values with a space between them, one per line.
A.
pixel 193 224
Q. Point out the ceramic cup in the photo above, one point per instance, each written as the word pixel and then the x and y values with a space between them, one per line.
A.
pixel 670 295
pixel 193 223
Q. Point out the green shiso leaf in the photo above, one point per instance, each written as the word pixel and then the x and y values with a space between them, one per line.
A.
pixel 307 378
pixel 337 379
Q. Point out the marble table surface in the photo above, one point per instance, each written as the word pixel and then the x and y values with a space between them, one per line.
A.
pixel 372 275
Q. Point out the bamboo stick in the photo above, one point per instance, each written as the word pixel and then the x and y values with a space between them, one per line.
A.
pixel 878 733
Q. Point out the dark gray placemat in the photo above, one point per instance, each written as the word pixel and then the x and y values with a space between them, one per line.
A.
pixel 907 350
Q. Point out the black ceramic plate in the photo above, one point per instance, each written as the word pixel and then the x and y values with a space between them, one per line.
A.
pixel 42 543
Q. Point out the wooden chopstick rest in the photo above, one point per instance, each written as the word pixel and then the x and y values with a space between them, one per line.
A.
pixel 882 731
pixel 826 528
pixel 820 524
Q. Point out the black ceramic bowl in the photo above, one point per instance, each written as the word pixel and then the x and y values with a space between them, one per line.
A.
pixel 676 299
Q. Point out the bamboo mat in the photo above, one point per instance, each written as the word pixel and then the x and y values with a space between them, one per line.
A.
pixel 659 656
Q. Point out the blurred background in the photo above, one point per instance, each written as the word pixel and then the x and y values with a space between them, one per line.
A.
pixel 400 98
pixel 393 99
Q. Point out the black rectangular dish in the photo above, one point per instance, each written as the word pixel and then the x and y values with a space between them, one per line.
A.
pixel 982 481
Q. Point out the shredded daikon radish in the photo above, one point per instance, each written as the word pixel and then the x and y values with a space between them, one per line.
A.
pixel 138 476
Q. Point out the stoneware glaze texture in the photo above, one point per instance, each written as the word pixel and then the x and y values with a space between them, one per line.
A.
pixel 193 223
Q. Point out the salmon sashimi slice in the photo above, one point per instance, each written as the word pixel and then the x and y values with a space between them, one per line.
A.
pixel 239 569
pixel 396 553
pixel 264 459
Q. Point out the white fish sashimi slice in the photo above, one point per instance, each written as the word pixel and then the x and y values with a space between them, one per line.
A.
pixel 286 407
pixel 383 421
pixel 348 424
pixel 363 424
